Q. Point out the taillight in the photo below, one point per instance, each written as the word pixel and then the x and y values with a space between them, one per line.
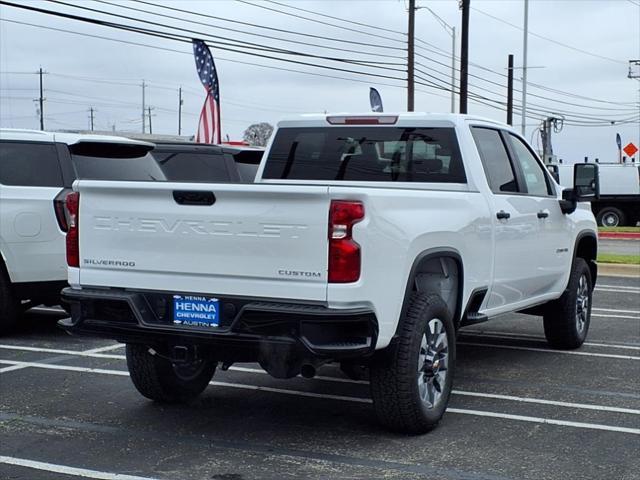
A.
pixel 72 203
pixel 344 252
pixel 60 210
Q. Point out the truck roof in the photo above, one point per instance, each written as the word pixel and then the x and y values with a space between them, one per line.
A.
pixel 67 138
pixel 403 119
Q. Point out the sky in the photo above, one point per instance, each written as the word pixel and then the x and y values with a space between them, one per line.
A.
pixel 578 57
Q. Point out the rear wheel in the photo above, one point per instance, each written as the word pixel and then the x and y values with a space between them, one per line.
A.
pixel 610 217
pixel 163 381
pixel 566 321
pixel 9 307
pixel 411 382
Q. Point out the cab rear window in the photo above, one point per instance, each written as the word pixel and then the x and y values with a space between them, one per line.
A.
pixel 372 154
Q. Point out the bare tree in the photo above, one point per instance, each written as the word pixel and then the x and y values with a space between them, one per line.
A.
pixel 258 134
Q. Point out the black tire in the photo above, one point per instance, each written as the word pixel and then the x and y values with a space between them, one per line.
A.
pixel 396 393
pixel 611 217
pixel 9 307
pixel 566 320
pixel 158 379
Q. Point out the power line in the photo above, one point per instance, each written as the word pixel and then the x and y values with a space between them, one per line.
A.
pixel 321 22
pixel 184 39
pixel 443 53
pixel 570 47
pixel 218 58
pixel 350 21
pixel 218 40
pixel 274 29
pixel 244 32
pixel 529 93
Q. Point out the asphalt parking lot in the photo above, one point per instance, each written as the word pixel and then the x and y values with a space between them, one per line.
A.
pixel 519 411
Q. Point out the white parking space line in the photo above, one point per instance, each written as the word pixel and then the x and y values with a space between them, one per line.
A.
pixel 608 315
pixel 548 350
pixel 107 348
pixel 66 470
pixel 70 368
pixel 527 336
pixel 12 368
pixel 86 353
pixel 243 386
pixel 622 287
pixel 548 421
pixel 616 290
pixel 637 312
pixel 583 406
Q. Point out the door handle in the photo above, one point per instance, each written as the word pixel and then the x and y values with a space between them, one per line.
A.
pixel 543 214
pixel 502 215
pixel 191 197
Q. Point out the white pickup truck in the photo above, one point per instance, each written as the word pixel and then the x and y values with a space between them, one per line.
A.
pixel 366 240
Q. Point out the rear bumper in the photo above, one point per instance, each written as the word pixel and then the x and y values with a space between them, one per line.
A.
pixel 249 329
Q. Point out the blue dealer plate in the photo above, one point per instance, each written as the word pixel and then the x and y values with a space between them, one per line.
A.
pixel 195 311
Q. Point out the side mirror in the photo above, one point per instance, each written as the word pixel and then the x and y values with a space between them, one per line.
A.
pixel 586 182
pixel 586 187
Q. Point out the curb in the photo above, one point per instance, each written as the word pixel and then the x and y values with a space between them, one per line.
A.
pixel 619 235
pixel 618 270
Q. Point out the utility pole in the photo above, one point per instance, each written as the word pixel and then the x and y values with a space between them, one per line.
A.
pixel 150 128
pixel 91 110
pixel 545 135
pixel 464 56
pixel 634 74
pixel 548 125
pixel 41 103
pixel 143 107
pixel 510 90
pixel 410 55
pixel 180 102
pixel 524 67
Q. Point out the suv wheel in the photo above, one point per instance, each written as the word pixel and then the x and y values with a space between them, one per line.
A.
pixel 566 321
pixel 8 306
pixel 158 379
pixel 411 382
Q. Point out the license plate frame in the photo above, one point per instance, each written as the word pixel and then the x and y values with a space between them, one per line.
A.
pixel 196 311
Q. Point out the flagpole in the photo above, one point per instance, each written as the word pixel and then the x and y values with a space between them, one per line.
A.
pixel 219 129
pixel 218 105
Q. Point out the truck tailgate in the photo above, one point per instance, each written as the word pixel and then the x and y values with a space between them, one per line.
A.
pixel 254 240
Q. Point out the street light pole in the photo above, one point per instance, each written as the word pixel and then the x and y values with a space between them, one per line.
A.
pixel 451 31
pixel 410 55
pixel 453 69
pixel 524 68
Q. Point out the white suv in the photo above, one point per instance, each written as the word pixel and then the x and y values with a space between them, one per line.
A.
pixel 37 170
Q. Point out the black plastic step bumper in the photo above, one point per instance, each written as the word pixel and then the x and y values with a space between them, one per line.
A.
pixel 247 325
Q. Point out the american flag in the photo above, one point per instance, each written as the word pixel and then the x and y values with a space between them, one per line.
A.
pixel 209 124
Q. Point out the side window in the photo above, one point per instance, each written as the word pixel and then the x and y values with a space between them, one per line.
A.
pixel 29 165
pixel 495 160
pixel 532 171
